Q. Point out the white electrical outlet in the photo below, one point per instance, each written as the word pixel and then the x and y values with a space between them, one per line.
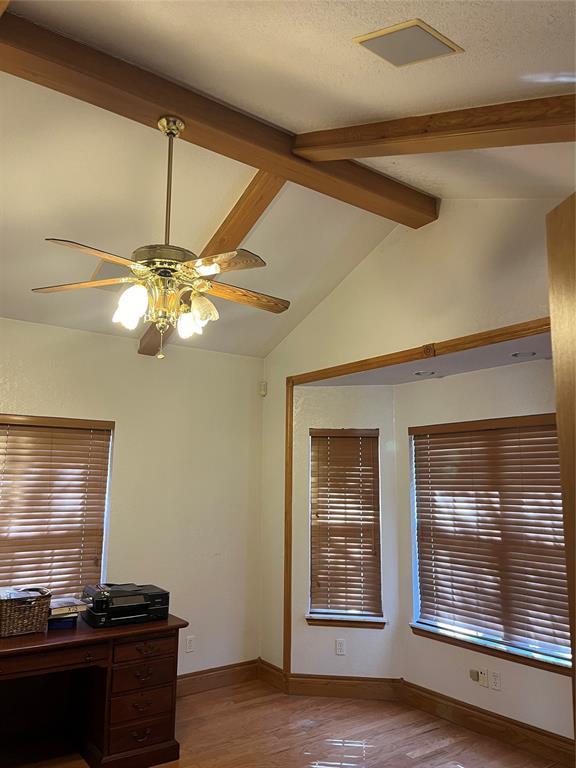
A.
pixel 483 678
pixel 189 648
pixel 495 680
pixel 340 647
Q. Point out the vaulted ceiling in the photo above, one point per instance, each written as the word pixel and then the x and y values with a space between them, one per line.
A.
pixel 75 171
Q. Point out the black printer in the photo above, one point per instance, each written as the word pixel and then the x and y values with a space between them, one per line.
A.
pixel 112 605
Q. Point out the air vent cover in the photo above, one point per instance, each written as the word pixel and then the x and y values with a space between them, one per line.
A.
pixel 408 43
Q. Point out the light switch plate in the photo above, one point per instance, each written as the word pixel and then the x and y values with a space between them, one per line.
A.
pixel 483 678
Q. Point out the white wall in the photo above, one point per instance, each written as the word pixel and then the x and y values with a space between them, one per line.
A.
pixel 482 265
pixel 185 487
pixel 344 408
pixel 395 652
pixel 528 694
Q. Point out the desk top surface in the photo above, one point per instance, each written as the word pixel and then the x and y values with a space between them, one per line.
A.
pixel 83 634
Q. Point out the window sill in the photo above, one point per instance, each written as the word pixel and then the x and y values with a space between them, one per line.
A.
pixel 356 622
pixel 480 647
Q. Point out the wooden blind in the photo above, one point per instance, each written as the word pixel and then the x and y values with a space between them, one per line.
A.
pixel 345 523
pixel 491 559
pixel 53 482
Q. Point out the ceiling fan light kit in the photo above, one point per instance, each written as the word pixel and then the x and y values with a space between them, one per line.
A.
pixel 168 282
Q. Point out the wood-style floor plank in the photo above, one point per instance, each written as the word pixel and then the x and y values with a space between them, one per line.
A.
pixel 254 726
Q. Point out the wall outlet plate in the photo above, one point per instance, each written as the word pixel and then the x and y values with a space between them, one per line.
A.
pixel 495 680
pixel 340 647
pixel 483 678
pixel 189 647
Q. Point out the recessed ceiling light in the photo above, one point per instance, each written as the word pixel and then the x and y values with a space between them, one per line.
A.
pixel 424 373
pixel 408 43
pixel 523 355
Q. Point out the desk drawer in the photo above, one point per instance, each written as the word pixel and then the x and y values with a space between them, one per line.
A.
pixel 65 657
pixel 141 704
pixel 143 734
pixel 146 648
pixel 148 674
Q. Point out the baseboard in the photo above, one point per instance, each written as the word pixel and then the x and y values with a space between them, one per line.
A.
pixel 534 740
pixel 218 677
pixel 345 687
pixel 272 675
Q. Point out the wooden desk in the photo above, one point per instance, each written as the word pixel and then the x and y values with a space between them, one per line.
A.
pixel 113 698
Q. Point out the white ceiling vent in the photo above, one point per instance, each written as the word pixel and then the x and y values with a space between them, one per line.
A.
pixel 408 43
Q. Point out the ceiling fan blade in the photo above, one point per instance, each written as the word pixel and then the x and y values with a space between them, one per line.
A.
pixel 251 298
pixel 240 259
pixel 93 251
pixel 86 284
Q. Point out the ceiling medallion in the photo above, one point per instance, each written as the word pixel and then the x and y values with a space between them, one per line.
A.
pixel 169 283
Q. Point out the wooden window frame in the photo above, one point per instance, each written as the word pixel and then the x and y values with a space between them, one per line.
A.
pixel 71 423
pixel 422 629
pixel 358 621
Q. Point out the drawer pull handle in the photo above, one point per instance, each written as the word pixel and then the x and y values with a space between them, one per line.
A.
pixel 142 707
pixel 143 675
pixel 145 649
pixel 89 657
pixel 141 737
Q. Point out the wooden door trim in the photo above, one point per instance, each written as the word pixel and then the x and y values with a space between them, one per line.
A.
pixel 561 236
pixel 472 341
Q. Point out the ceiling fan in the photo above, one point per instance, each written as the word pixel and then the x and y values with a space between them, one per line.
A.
pixel 169 283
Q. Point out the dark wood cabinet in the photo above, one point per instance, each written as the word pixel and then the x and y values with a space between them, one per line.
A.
pixel 110 692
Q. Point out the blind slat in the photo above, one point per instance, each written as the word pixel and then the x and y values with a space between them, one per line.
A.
pixel 53 483
pixel 345 524
pixel 490 538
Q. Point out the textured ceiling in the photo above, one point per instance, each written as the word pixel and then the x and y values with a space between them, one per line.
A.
pixel 542 170
pixel 294 63
pixel 73 171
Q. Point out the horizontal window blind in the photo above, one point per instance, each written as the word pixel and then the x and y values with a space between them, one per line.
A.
pixel 53 483
pixel 345 523
pixel 490 542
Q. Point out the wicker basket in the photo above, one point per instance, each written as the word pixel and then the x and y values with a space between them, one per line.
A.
pixel 24 611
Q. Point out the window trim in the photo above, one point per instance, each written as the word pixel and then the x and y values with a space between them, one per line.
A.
pixel 55 421
pixel 343 620
pixel 432 632
pixel 323 618
pixel 535 420
pixel 480 646
pixel 19 419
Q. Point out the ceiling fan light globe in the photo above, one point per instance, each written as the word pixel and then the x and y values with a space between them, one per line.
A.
pixel 126 317
pixel 130 322
pixel 134 300
pixel 208 269
pixel 187 325
pixel 203 309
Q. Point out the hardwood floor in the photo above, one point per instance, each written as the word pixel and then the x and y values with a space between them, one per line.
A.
pixel 252 725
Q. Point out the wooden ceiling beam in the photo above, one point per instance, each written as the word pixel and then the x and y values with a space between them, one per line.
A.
pixel 249 208
pixel 537 121
pixel 54 61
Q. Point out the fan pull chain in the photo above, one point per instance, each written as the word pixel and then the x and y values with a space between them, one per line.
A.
pixel 160 354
